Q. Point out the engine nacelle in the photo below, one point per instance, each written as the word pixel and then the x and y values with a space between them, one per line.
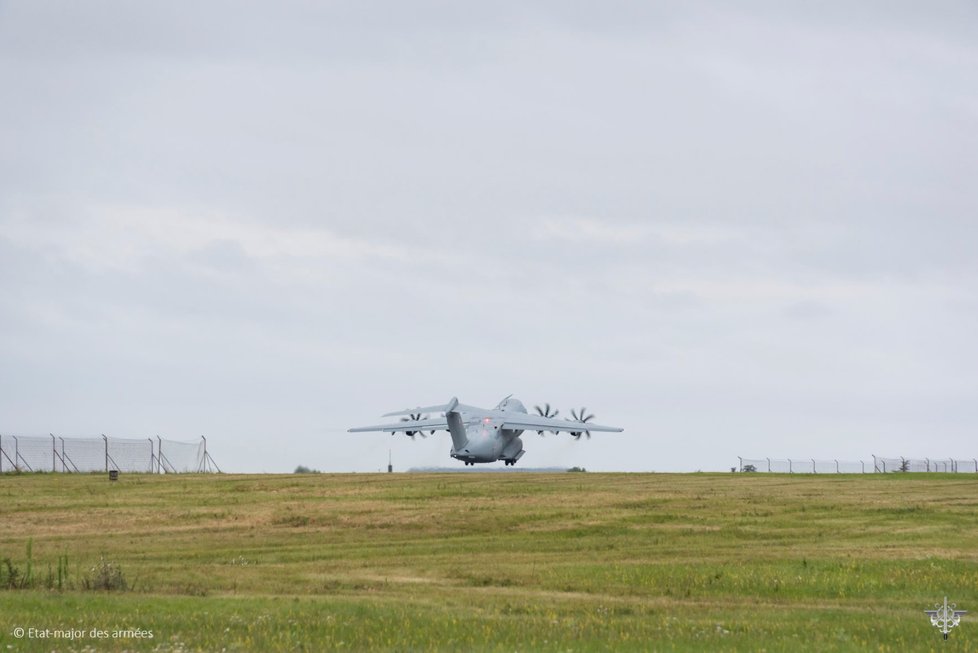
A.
pixel 512 450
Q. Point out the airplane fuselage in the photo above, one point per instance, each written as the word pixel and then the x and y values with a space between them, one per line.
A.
pixel 486 441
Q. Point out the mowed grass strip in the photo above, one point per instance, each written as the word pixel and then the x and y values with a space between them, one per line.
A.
pixel 739 562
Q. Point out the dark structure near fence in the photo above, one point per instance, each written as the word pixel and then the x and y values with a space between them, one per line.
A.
pixel 29 453
pixel 877 465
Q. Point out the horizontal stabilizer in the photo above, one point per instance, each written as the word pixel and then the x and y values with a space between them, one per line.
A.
pixel 444 408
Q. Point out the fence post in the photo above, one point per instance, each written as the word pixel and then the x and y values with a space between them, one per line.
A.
pixel 1 454
pixel 159 455
pixel 209 460
pixel 106 453
pixel 791 470
pixel 740 462
pixel 54 454
pixel 152 455
pixel 18 459
pixel 836 466
pixel 768 464
pixel 813 467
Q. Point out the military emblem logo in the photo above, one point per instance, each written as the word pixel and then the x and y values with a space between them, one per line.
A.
pixel 945 617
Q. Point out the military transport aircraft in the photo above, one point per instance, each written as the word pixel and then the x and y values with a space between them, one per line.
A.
pixel 485 436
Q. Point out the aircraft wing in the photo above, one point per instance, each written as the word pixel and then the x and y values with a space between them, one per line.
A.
pixel 433 424
pixel 521 421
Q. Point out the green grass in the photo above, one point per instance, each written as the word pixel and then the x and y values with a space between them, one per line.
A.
pixel 507 562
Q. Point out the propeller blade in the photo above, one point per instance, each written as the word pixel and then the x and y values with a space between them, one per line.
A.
pixel 546 411
pixel 414 418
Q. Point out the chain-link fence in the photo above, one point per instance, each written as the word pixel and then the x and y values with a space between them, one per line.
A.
pixel 875 465
pixel 51 453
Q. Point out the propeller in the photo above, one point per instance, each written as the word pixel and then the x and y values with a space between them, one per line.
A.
pixel 545 412
pixel 415 418
pixel 582 418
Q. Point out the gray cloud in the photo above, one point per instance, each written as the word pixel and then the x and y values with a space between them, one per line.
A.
pixel 730 230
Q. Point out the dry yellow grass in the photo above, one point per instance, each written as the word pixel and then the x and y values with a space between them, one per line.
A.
pixel 539 561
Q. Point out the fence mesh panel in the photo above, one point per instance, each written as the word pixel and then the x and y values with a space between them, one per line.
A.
pixel 888 464
pixel 32 453
pixel 182 456
pixel 130 455
pixel 961 466
pixel 753 464
pixel 783 466
pixel 83 454
pixel 854 467
pixel 875 464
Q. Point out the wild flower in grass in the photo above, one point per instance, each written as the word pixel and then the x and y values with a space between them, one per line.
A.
pixel 105 575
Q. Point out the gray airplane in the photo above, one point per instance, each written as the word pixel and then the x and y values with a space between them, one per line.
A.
pixel 485 436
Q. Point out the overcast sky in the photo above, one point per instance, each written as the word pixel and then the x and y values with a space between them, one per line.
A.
pixel 732 231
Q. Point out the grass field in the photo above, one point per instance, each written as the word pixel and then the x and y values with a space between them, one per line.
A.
pixel 508 562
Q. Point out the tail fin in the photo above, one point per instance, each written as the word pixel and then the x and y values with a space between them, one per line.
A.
pixel 457 429
pixel 455 425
